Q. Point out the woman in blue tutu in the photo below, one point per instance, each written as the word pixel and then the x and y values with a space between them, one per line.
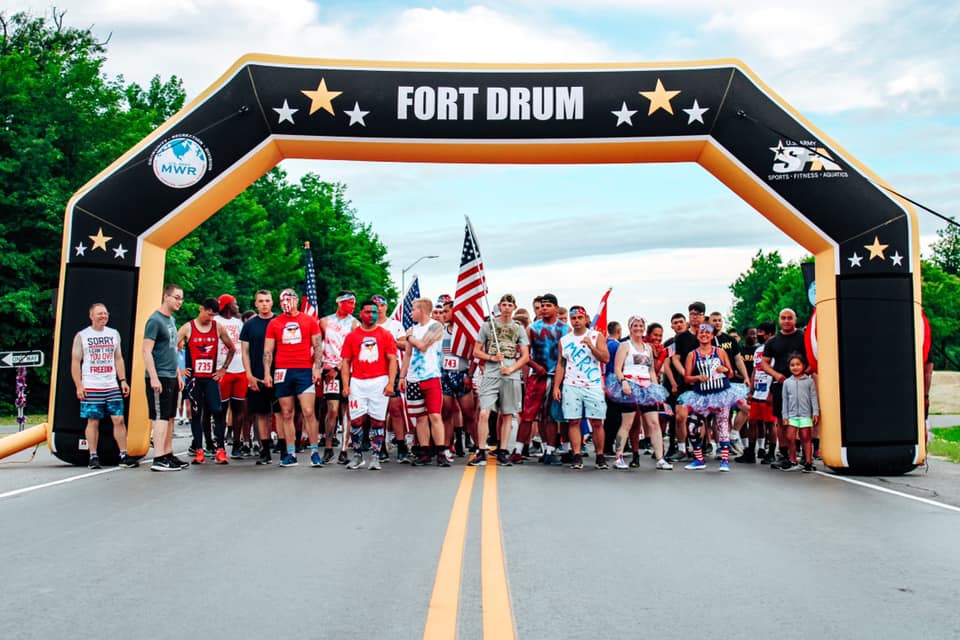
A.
pixel 708 369
pixel 632 383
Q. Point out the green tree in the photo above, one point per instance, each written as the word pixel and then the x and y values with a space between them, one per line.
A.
pixel 946 250
pixel 62 120
pixel 749 289
pixel 941 290
pixel 788 291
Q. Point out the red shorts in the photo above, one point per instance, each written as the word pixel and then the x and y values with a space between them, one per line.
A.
pixel 424 397
pixel 761 411
pixel 233 385
pixel 535 392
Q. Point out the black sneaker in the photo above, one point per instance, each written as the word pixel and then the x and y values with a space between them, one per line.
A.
pixel 458 446
pixel 246 451
pixel 748 457
pixel 503 458
pixel 577 461
pixel 343 458
pixel 178 461
pixel 165 463
pixel 479 460
pixel 635 461
pixel 265 457
pixel 94 462
pixel 129 463
pixel 809 468
pixel 781 465
pixel 602 462
pixel 236 453
pixel 383 455
pixel 442 460
pixel 327 455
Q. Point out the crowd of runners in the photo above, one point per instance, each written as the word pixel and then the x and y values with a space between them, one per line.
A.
pixel 538 385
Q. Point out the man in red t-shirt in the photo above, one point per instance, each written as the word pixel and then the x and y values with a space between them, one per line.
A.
pixel 297 341
pixel 368 368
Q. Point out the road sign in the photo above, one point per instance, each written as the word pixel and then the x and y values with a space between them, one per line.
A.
pixel 13 359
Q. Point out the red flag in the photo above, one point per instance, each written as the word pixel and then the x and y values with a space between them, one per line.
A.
pixel 471 289
pixel 600 319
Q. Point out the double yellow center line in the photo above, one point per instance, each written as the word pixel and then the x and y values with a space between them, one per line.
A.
pixel 495 593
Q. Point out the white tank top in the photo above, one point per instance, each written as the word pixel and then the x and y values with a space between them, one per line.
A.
pixel 639 362
pixel 335 333
pixel 233 327
pixel 98 370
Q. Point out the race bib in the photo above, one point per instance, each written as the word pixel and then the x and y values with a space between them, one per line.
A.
pixel 331 386
pixel 279 375
pixel 203 366
pixel 761 389
pixel 642 372
pixel 451 363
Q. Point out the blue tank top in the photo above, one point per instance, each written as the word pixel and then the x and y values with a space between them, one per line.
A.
pixel 707 366
pixel 545 343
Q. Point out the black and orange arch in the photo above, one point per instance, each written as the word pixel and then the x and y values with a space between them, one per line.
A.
pixel 715 113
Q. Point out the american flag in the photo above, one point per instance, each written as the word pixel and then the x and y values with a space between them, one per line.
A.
pixel 600 319
pixel 309 304
pixel 471 289
pixel 404 311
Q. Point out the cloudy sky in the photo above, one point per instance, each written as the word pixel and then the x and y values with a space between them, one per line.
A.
pixel 879 77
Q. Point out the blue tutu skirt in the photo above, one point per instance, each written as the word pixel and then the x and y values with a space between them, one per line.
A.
pixel 648 396
pixel 724 400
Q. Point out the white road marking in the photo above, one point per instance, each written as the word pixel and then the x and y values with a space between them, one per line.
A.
pixel 860 483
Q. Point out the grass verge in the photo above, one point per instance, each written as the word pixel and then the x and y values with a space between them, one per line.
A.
pixel 946 443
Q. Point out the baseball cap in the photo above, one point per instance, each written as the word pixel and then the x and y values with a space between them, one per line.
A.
pixel 549 297
pixel 508 297
pixel 225 299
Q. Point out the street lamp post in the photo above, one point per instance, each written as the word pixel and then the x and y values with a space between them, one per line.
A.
pixel 403 274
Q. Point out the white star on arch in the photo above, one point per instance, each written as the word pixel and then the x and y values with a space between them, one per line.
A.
pixel 855 260
pixel 285 113
pixel 119 252
pixel 897 259
pixel 696 113
pixel 356 115
pixel 81 249
pixel 624 115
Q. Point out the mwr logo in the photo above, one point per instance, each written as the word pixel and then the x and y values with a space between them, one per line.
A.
pixel 180 161
pixel 803 160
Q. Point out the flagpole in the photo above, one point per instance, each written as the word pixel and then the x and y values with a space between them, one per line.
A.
pixel 483 281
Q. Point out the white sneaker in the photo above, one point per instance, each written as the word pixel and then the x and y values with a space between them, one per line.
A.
pixel 448 455
pixel 620 463
pixel 358 462
pixel 374 463
pixel 663 465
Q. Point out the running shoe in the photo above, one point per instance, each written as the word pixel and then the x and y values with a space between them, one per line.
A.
pixel 478 460
pixel 403 458
pixel 503 459
pixel 199 457
pixel 164 463
pixel 791 466
pixel 724 466
pixel 448 455
pixel 327 455
pixel 236 453
pixel 516 458
pixel 458 445
pixel 374 464
pixel 358 462
pixel 315 460
pixel 192 451
pixel 221 456
pixel 781 465
pixel 635 462
pixel 577 461
pixel 601 462
pixel 246 451
pixel 343 458
pixel 696 464
pixel 442 460
pixel 288 460
pixel 809 468
pixel 129 463
pixel 383 455
pixel 551 458
pixel 265 457
pixel 663 465
pixel 620 463
pixel 94 462
pixel 183 464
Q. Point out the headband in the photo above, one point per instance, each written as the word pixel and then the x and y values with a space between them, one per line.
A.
pixel 706 327
pixel 345 297
pixel 379 300
pixel 577 309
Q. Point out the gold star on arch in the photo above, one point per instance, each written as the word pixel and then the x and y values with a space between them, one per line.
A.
pixel 321 98
pixel 659 98
pixel 100 241
pixel 876 249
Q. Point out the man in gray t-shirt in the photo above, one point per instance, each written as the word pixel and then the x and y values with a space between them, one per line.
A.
pixel 503 348
pixel 163 383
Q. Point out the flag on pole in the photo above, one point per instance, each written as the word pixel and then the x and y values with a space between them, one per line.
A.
pixel 600 319
pixel 404 311
pixel 309 304
pixel 471 290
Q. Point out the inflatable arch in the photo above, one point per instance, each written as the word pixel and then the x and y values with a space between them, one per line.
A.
pixel 716 113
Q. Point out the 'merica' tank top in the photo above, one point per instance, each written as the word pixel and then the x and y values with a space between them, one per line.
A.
pixel 334 334
pixel 202 350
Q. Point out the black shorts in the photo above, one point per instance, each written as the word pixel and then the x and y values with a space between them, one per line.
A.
pixel 163 405
pixel 332 388
pixel 776 393
pixel 260 402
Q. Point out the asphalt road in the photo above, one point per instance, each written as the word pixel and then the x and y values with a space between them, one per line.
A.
pixel 252 552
